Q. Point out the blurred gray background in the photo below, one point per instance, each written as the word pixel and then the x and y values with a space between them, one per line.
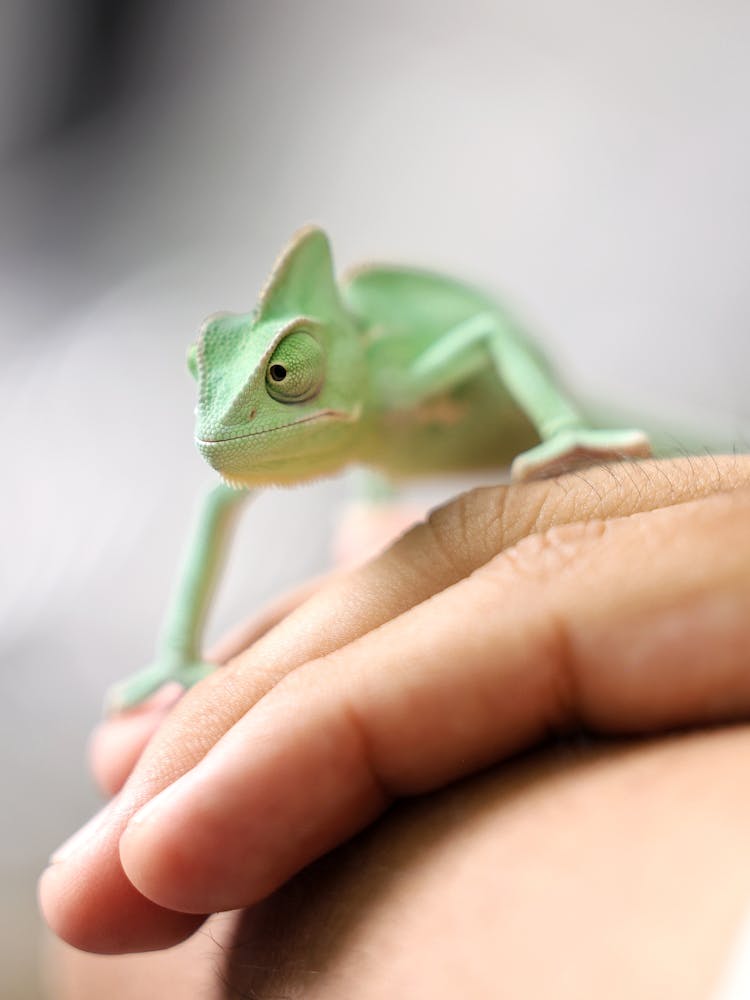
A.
pixel 588 160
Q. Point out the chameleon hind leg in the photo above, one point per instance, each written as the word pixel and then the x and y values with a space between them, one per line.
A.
pixel 178 651
pixel 567 441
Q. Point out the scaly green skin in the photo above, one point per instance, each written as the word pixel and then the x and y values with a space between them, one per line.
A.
pixel 403 371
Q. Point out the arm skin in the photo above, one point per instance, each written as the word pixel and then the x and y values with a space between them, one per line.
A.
pixel 616 601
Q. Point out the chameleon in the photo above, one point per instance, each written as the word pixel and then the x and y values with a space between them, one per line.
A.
pixel 403 371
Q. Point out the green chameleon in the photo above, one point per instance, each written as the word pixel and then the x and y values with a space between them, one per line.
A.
pixel 403 371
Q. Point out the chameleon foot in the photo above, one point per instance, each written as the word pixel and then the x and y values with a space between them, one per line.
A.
pixel 575 449
pixel 134 690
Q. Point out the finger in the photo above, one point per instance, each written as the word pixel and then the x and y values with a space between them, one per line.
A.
pixel 116 743
pixel 456 540
pixel 156 927
pixel 365 531
pixel 622 627
pixel 238 639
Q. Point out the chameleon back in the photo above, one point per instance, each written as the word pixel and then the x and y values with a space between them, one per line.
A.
pixel 474 425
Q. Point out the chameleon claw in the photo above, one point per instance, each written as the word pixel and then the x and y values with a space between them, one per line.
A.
pixel 571 450
pixel 134 690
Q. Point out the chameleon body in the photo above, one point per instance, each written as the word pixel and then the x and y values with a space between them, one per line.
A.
pixel 403 371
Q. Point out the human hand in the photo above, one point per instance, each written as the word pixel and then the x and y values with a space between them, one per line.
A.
pixel 364 530
pixel 616 600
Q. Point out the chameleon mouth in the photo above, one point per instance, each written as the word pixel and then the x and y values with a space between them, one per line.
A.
pixel 322 415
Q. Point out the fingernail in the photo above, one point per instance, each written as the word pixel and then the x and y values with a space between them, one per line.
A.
pixel 81 837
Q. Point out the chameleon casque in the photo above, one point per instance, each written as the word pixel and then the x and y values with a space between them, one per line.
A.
pixel 403 371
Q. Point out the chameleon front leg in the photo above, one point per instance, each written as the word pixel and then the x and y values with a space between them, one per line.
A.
pixel 567 441
pixel 178 648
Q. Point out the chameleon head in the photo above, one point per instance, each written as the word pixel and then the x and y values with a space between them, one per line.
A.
pixel 281 389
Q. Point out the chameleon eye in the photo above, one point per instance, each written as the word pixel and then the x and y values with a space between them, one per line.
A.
pixel 295 370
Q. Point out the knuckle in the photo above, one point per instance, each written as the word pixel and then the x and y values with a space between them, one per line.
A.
pixel 452 527
pixel 481 522
pixel 547 554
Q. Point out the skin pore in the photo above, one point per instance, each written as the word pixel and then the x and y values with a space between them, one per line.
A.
pixel 613 601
